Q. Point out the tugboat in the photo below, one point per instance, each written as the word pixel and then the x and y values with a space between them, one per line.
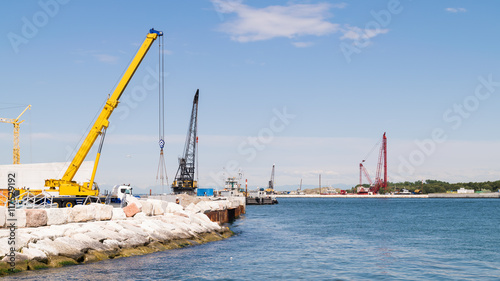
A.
pixel 259 197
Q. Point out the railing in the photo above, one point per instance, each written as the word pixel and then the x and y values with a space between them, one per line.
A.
pixel 89 200
pixel 28 200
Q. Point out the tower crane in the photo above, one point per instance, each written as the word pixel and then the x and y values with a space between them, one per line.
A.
pixel 184 178
pixel 16 123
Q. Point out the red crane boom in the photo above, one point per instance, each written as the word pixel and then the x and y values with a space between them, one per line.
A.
pixel 379 182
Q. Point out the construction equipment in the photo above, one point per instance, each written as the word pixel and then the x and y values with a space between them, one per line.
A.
pixel 270 188
pixel 184 178
pixel 362 171
pixel 379 182
pixel 68 192
pixel 16 123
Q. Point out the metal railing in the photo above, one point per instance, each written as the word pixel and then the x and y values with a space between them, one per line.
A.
pixel 28 200
pixel 89 200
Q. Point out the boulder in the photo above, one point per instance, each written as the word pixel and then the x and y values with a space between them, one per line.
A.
pixel 172 208
pixel 4 246
pixel 57 216
pixel 36 217
pixel 204 206
pixel 19 257
pixel 111 244
pixel 193 208
pixel 47 246
pixel 47 233
pixel 34 254
pixel 113 226
pixel 118 214
pixel 131 199
pixel 69 247
pixel 147 208
pixel 81 213
pixel 3 215
pixel 19 216
pixel 88 242
pixel 131 210
pixel 157 207
pixel 103 212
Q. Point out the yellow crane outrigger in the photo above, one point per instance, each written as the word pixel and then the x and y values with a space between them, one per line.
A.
pixel 66 185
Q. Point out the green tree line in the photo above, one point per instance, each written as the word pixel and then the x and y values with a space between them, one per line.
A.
pixel 435 186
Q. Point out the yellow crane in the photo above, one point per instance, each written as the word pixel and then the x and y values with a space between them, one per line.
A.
pixel 66 185
pixel 16 123
pixel 68 192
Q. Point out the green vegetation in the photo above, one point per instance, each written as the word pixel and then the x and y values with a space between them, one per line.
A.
pixel 435 186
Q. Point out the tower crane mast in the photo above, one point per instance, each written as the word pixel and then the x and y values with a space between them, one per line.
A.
pixel 184 178
pixel 16 151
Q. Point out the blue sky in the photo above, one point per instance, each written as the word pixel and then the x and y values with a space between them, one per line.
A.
pixel 307 85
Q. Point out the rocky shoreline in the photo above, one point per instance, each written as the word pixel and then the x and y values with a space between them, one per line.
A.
pixel 86 234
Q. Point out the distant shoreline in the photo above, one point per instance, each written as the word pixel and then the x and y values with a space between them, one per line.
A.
pixel 431 195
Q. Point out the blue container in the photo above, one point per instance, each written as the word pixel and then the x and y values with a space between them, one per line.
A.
pixel 205 192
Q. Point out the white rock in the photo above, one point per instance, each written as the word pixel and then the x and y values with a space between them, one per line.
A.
pixel 134 242
pixel 140 216
pixel 157 207
pixel 193 208
pixel 69 247
pixel 172 208
pixel 57 216
pixel 118 214
pixel 34 254
pixel 147 208
pixel 3 215
pixel 113 226
pixel 19 216
pixel 42 233
pixel 81 213
pixel 4 246
pixel 111 244
pixel 103 212
pixel 47 246
pixel 132 199
pixel 88 242
pixel 204 206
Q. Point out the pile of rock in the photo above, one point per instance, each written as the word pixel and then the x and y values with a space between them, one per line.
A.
pixel 56 237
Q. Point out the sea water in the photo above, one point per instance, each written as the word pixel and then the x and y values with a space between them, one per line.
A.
pixel 328 239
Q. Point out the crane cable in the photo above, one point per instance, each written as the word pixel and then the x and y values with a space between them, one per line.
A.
pixel 162 168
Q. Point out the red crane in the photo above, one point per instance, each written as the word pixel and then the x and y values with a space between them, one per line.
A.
pixel 379 182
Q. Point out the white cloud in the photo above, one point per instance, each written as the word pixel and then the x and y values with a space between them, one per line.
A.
pixel 106 58
pixel 302 44
pixel 456 10
pixel 291 21
pixel 355 33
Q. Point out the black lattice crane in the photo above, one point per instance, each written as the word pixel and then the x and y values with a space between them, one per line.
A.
pixel 184 178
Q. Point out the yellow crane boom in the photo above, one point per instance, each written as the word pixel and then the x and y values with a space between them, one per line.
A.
pixel 66 185
pixel 16 123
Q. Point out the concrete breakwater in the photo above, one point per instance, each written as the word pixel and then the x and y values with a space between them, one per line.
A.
pixel 40 238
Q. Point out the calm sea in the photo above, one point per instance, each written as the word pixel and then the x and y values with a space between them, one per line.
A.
pixel 328 239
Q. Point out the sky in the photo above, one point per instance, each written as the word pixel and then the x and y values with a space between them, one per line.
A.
pixel 309 86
